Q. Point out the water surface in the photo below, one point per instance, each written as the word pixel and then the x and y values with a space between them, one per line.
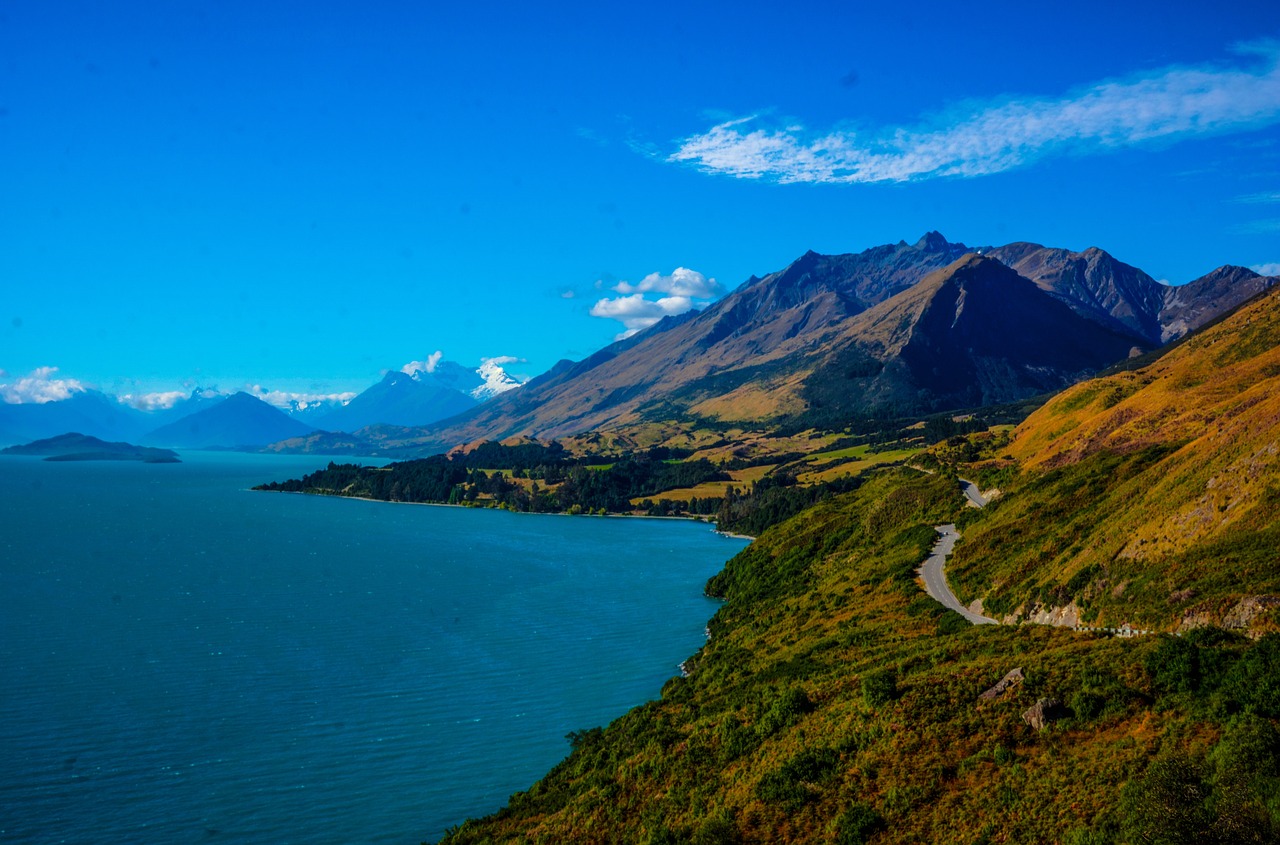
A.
pixel 188 660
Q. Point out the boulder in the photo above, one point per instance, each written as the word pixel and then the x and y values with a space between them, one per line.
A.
pixel 1043 712
pixel 1013 677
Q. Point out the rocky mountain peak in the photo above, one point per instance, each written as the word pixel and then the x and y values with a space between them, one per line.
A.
pixel 933 241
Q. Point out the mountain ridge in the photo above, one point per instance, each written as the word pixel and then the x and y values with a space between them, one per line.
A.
pixel 240 420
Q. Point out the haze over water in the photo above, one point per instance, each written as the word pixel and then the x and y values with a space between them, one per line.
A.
pixel 185 659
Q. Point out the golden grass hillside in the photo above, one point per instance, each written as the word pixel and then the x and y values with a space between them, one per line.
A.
pixel 1150 497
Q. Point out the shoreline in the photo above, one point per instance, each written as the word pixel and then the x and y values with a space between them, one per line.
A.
pixel 709 522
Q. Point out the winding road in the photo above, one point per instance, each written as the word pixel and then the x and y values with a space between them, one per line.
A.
pixel 933 573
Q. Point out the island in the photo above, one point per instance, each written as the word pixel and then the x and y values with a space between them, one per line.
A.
pixel 74 446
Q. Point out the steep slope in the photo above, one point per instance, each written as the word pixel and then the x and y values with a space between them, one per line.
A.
pixel 240 420
pixel 1094 284
pixel 753 356
pixel 974 333
pixel 753 341
pixel 399 399
pixel 834 702
pixel 1154 491
pixel 1197 303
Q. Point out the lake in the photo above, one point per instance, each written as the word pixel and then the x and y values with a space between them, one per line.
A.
pixel 184 659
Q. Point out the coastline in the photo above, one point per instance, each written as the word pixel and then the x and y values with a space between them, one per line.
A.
pixel 711 523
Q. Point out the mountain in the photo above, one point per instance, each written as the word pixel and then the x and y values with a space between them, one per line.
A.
pixel 399 399
pixel 1154 490
pixel 88 411
pixel 972 334
pixel 834 701
pixel 1196 303
pixel 239 420
pixel 783 314
pixel 481 383
pixel 496 381
pixel 199 400
pixel 78 447
pixel 1094 285
pixel 803 343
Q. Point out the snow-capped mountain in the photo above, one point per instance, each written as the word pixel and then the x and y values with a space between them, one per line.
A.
pixel 482 383
pixel 496 379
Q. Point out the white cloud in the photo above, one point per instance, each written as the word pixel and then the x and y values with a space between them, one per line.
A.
pixel 289 401
pixel 1266 197
pixel 984 138
pixel 39 387
pixel 1272 269
pixel 153 401
pixel 637 309
pixel 427 366
pixel 681 282
pixel 636 313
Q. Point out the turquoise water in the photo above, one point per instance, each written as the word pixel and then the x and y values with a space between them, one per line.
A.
pixel 182 659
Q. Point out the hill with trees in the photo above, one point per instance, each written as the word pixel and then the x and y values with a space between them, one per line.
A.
pixel 835 702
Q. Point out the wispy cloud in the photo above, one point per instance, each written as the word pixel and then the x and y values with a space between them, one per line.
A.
pixel 160 400
pixel 1272 269
pixel 979 139
pixel 290 401
pixel 38 387
pixel 1265 197
pixel 638 308
pixel 1263 226
pixel 427 366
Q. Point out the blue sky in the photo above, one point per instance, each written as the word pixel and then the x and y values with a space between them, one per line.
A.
pixel 301 196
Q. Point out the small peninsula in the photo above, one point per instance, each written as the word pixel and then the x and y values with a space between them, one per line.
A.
pixel 74 446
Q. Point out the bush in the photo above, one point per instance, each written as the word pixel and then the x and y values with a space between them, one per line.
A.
pixel 858 824
pixel 786 710
pixel 952 623
pixel 1174 665
pixel 880 687
pixel 1087 705
pixel 1254 680
pixel 790 784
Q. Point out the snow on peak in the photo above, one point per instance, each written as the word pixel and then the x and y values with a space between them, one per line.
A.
pixel 496 379
pixel 482 383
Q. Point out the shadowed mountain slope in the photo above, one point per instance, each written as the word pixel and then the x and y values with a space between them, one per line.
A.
pixel 975 333
pixel 1094 284
pixel 238 420
pixel 87 411
pixel 399 399
pixel 831 336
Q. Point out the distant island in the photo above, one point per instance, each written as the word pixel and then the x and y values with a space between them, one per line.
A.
pixel 74 446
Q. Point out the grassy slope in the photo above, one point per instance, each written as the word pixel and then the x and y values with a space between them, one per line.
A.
pixel 835 702
pixel 832 691
pixel 1151 496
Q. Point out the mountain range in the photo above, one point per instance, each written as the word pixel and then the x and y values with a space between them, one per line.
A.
pixel 438 390
pixel 835 701
pixel 895 330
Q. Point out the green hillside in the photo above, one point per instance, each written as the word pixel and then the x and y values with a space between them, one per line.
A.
pixel 1150 497
pixel 835 702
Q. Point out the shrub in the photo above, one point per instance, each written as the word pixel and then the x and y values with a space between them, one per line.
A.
pixel 858 824
pixel 786 710
pixel 880 687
